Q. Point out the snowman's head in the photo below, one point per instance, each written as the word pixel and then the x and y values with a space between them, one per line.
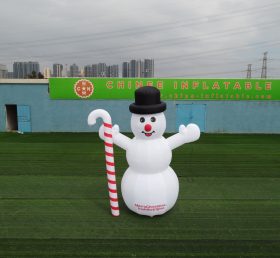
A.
pixel 148 126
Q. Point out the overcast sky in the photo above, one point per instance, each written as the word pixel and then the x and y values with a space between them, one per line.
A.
pixel 186 38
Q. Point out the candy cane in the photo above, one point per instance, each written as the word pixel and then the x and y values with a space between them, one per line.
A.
pixel 109 156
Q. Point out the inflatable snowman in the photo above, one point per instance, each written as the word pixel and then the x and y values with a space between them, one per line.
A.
pixel 149 185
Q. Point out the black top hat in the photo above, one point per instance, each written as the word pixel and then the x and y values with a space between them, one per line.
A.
pixel 147 101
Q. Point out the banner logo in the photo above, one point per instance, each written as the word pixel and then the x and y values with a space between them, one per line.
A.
pixel 84 88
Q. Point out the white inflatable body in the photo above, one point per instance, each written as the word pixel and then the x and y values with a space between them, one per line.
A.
pixel 150 186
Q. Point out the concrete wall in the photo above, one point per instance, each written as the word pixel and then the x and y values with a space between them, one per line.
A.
pixel 71 115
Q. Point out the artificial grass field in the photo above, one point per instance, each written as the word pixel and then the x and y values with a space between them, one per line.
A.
pixel 54 200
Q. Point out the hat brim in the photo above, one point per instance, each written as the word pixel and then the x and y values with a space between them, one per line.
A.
pixel 147 109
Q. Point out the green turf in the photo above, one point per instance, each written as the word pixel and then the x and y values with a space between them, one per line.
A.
pixel 53 200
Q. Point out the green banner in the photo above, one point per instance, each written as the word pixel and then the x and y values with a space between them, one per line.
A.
pixel 171 89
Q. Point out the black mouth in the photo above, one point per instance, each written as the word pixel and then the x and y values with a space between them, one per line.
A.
pixel 148 134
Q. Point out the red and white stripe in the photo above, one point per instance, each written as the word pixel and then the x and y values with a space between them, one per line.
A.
pixel 109 156
pixel 110 169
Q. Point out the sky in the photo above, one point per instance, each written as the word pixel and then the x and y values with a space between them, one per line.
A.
pixel 186 38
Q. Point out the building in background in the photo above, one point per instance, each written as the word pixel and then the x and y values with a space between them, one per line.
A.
pixel 74 71
pixel 133 68
pixel 101 70
pixel 3 71
pixel 125 69
pixel 47 72
pixel 148 68
pixel 94 70
pixel 112 71
pixel 23 70
pixel 57 70
pixel 88 71
pixel 10 75
pixel 138 68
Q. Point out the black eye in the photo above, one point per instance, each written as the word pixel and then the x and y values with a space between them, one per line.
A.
pixel 153 119
pixel 142 119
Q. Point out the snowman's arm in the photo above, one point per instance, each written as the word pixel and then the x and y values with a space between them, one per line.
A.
pixel 189 133
pixel 118 138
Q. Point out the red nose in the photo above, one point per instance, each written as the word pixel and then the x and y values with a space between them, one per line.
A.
pixel 148 127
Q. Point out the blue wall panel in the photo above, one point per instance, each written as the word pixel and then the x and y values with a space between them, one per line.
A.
pixel 191 113
pixel 71 115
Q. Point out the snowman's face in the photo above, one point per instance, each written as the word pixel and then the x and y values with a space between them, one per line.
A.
pixel 148 126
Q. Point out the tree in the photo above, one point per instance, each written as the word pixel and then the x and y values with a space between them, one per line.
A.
pixel 34 75
pixel 40 76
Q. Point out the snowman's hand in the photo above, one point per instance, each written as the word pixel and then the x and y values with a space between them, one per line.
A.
pixel 191 132
pixel 120 139
pixel 181 129
pixel 116 129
